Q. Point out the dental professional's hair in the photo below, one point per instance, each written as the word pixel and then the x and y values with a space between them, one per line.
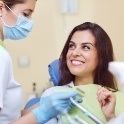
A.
pixel 105 55
pixel 10 3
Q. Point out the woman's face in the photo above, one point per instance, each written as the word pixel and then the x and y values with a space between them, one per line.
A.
pixel 26 9
pixel 82 57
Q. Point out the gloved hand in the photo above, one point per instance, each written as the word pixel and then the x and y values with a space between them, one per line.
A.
pixel 53 105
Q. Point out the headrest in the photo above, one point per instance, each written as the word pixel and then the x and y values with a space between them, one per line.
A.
pixel 54 72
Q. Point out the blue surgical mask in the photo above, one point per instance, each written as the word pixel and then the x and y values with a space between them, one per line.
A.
pixel 18 31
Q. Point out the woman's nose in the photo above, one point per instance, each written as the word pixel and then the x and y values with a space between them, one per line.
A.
pixel 77 52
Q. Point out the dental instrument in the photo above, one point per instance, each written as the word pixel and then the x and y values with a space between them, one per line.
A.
pixel 86 112
pixel 77 118
pixel 69 118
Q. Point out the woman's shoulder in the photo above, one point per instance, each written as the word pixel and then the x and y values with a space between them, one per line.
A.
pixel 50 90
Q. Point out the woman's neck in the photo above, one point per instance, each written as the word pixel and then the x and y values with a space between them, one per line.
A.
pixel 1 31
pixel 83 80
pixel 1 37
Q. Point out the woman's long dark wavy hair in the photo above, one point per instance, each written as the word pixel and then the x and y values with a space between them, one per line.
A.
pixel 105 55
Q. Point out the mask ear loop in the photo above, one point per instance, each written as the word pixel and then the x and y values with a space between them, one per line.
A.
pixel 3 20
pixel 16 15
pixel 11 10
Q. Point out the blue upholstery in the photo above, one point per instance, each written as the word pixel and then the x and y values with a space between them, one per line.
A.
pixel 53 69
pixel 54 72
pixel 32 102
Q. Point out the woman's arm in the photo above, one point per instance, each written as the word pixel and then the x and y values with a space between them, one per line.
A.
pixel 27 119
pixel 28 110
pixel 47 92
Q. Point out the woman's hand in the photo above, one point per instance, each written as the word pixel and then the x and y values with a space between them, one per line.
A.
pixel 107 102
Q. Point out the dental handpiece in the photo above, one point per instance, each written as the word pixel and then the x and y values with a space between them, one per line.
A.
pixel 86 112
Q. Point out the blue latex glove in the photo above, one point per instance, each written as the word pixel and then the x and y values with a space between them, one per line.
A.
pixel 53 105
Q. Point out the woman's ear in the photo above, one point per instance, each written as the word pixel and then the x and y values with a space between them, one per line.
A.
pixel 2 7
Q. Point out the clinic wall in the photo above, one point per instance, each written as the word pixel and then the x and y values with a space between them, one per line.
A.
pixel 109 14
pixel 50 32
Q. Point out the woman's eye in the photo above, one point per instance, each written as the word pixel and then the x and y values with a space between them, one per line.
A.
pixel 71 46
pixel 86 47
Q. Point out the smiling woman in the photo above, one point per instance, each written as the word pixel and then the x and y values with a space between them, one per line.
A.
pixel 84 60
pixel 89 45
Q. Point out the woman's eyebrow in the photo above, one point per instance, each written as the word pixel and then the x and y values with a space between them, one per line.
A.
pixel 85 43
pixel 71 41
pixel 88 43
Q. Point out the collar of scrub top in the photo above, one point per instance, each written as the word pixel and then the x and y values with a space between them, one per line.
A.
pixel 2 44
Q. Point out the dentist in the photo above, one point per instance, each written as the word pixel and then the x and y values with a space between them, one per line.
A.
pixel 15 24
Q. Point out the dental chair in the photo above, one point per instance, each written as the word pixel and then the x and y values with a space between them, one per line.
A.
pixel 53 69
pixel 32 102
pixel 54 72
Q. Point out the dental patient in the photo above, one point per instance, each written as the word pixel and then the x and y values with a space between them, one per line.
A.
pixel 84 61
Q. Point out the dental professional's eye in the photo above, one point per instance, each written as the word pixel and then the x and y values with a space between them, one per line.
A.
pixel 25 14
